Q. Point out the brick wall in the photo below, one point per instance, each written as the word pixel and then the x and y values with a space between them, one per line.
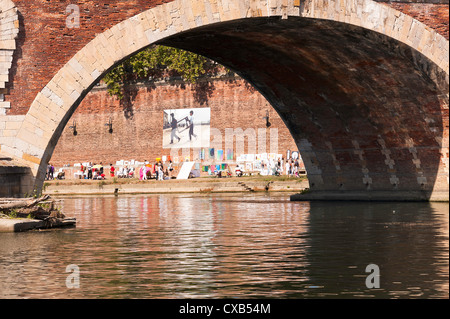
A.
pixel 137 129
pixel 45 44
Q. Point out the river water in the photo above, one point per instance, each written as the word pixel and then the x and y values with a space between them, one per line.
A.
pixel 231 246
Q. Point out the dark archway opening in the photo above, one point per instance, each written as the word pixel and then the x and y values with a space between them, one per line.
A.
pixel 362 107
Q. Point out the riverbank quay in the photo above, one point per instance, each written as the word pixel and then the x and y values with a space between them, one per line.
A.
pixel 198 185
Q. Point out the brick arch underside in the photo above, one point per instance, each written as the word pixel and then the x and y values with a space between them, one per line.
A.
pixel 366 111
pixel 362 108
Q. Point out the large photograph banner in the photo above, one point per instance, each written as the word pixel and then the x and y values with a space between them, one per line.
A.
pixel 187 128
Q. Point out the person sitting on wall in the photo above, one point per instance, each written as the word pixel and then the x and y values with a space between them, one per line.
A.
pixel 239 171
pixel 120 174
pixel 229 174
pixel 130 173
pixel 61 174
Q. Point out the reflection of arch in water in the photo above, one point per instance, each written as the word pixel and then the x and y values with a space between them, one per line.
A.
pixel 404 239
pixel 345 74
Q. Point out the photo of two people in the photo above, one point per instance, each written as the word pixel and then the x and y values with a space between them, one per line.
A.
pixel 186 128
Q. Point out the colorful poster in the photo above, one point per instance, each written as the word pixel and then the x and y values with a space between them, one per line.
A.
pixel 230 155
pixel 220 155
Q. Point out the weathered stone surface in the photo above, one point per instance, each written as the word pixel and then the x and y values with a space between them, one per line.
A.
pixel 9 30
pixel 336 71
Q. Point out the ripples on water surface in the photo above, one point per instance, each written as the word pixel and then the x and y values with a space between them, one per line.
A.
pixel 231 246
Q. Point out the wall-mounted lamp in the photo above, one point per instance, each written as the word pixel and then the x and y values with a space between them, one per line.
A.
pixel 268 124
pixel 109 124
pixel 74 127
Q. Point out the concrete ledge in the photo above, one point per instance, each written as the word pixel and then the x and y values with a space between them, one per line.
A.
pixel 19 225
pixel 22 225
pixel 397 196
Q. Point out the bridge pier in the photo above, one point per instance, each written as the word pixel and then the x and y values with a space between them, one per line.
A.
pixel 393 196
pixel 16 180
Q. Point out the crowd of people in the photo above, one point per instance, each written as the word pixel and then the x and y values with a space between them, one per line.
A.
pixel 289 168
pixel 292 168
pixel 97 171
pixel 160 171
pixel 156 171
pixel 93 171
pixel 51 174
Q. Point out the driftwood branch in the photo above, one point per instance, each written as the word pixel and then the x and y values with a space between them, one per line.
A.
pixel 22 203
pixel 49 216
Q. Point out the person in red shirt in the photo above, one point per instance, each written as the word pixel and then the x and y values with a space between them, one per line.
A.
pixel 111 170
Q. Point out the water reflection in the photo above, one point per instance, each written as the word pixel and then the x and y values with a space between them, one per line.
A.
pixel 230 246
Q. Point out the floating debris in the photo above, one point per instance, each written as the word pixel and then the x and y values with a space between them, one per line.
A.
pixel 22 214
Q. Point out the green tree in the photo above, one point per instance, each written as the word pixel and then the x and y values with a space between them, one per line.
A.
pixel 156 63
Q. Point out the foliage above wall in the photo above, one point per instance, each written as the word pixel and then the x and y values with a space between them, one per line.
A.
pixel 156 63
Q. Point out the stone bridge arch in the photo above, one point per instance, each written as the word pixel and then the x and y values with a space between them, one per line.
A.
pixel 362 87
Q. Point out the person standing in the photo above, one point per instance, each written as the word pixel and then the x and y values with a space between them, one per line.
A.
pixel 111 170
pixel 170 169
pixel 160 172
pixel 144 172
pixel 156 171
pixel 174 126
pixel 89 176
pixel 296 167
pixel 191 125
pixel 288 168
